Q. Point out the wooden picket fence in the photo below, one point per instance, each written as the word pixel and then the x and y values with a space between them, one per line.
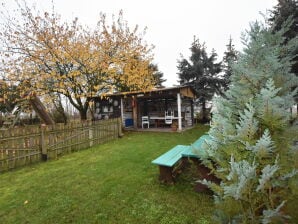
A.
pixel 31 144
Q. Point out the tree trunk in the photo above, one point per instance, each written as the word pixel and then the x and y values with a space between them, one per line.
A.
pixel 82 108
pixel 59 108
pixel 83 114
pixel 204 112
pixel 41 110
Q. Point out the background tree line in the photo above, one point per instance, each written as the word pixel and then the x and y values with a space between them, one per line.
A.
pixel 205 74
pixel 209 76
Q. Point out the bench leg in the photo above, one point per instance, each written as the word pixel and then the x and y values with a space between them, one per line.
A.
pixel 166 174
pixel 205 174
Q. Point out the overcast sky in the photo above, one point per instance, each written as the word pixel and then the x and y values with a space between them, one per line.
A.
pixel 172 24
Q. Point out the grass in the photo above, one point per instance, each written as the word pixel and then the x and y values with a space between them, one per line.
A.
pixel 111 183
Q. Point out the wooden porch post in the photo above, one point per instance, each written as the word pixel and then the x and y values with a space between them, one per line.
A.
pixel 135 112
pixel 192 113
pixel 122 112
pixel 179 112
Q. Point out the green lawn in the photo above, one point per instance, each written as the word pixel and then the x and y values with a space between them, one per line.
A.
pixel 111 183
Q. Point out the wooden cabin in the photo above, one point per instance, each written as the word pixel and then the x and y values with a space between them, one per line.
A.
pixel 148 109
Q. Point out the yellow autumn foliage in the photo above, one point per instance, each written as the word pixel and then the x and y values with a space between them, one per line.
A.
pixel 54 56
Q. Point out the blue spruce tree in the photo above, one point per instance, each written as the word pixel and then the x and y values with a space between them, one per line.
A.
pixel 252 146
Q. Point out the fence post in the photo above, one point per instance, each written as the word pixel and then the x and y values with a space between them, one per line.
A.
pixel 119 123
pixel 44 151
pixel 91 126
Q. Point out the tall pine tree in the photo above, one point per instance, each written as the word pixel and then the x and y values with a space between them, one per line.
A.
pixel 201 72
pixel 157 75
pixel 230 57
pixel 282 12
pixel 251 148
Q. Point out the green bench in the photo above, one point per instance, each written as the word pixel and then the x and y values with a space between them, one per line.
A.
pixel 196 148
pixel 178 157
pixel 168 161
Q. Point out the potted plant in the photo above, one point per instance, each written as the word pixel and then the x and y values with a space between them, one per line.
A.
pixel 174 126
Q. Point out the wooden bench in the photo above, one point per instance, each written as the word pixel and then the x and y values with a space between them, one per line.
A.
pixel 178 157
pixel 189 152
pixel 195 153
pixel 168 161
pixel 195 150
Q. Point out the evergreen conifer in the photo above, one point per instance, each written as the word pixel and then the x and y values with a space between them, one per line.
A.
pixel 284 11
pixel 251 148
pixel 201 72
pixel 230 57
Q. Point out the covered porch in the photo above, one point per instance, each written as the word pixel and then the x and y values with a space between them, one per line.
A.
pixel 157 109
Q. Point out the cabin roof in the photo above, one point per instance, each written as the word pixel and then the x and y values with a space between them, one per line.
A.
pixel 186 91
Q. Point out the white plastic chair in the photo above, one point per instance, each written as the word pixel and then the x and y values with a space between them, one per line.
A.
pixel 169 118
pixel 145 120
